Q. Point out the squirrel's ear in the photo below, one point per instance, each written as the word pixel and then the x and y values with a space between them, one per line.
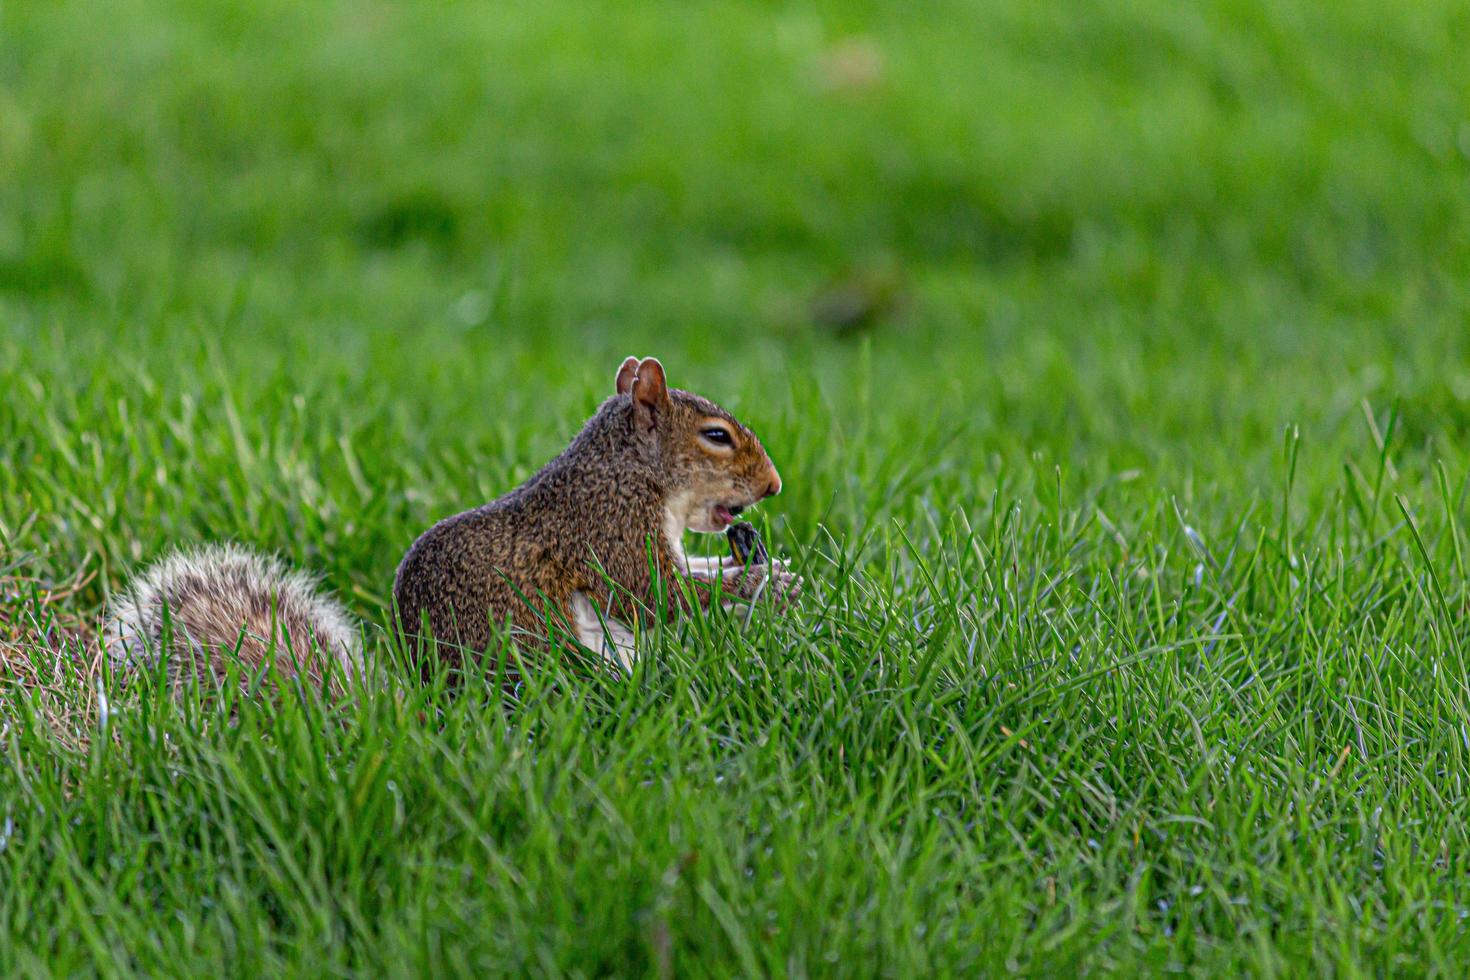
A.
pixel 626 374
pixel 650 390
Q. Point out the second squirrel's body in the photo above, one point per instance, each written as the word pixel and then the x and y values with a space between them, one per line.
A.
pixel 592 542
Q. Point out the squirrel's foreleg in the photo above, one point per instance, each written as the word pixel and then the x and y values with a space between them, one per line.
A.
pixel 709 568
pixel 743 583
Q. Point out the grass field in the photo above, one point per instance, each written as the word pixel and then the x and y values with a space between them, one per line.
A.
pixel 1116 359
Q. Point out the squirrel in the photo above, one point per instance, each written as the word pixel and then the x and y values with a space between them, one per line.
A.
pixel 591 545
pixel 593 542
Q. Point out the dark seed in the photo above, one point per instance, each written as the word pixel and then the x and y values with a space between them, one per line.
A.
pixel 745 544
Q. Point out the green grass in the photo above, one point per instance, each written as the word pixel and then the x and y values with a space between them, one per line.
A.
pixel 1133 521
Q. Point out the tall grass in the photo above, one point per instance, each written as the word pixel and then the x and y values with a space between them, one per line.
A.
pixel 1114 361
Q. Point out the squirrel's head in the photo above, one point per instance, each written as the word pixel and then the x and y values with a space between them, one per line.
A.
pixel 714 466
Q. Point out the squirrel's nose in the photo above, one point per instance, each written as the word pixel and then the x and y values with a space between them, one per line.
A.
pixel 774 486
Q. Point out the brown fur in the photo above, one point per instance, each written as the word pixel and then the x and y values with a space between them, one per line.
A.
pixel 223 604
pixel 594 513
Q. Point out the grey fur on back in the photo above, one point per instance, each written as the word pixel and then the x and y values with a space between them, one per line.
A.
pixel 220 598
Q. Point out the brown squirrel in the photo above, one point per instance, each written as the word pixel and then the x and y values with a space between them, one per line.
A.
pixel 591 545
pixel 593 542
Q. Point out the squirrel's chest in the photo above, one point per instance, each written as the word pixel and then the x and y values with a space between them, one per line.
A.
pixel 674 521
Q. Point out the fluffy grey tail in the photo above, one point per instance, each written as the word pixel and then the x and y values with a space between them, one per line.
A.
pixel 221 604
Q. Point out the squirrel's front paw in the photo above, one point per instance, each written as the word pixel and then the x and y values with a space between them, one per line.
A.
pixel 775 581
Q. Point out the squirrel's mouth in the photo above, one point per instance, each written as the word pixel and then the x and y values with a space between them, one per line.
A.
pixel 725 514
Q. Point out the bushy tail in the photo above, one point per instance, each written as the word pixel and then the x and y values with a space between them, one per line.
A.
pixel 221 605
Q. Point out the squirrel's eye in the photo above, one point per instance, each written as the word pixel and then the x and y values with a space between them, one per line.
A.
pixel 716 435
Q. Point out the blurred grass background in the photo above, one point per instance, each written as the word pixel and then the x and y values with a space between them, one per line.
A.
pixel 313 275
pixel 1088 228
pixel 1143 238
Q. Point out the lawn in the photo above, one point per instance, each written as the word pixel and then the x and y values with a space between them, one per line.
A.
pixel 1116 359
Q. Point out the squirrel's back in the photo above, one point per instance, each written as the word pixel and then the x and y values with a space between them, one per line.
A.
pixel 222 601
